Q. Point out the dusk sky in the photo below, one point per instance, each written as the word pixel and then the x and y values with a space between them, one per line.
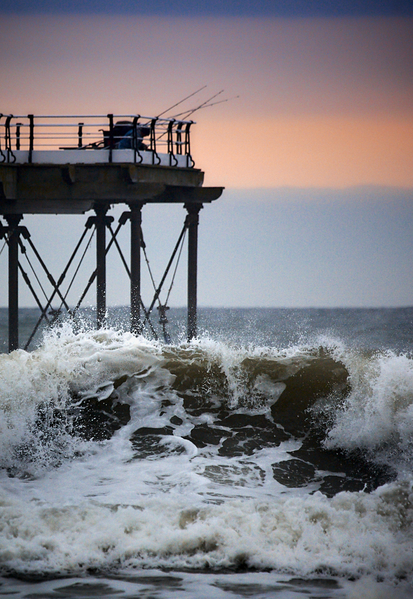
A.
pixel 314 143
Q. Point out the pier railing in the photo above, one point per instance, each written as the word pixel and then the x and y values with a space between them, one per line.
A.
pixel 99 138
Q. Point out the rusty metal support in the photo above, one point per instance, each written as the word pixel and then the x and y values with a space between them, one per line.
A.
pixel 100 266
pixel 13 242
pixel 135 268
pixel 192 222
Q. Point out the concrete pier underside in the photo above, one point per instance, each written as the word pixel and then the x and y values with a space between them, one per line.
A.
pixel 77 188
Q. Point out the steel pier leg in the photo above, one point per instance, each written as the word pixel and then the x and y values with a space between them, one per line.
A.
pixel 100 267
pixel 135 268
pixel 193 221
pixel 13 222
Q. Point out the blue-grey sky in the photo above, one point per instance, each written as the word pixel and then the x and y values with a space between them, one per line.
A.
pixel 277 8
pixel 285 247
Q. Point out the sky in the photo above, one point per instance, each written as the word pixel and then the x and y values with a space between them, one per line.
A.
pixel 313 140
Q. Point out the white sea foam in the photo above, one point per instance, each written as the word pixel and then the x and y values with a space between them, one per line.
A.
pixel 67 363
pixel 188 506
pixel 352 534
pixel 378 412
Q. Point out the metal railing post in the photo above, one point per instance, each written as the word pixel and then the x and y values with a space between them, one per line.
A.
pixel 110 117
pixel 31 137
pixel 80 135
pixel 187 144
pixel 18 125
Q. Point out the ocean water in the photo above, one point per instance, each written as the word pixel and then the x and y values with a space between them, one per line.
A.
pixel 270 457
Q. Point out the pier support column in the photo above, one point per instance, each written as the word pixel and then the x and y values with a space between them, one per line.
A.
pixel 13 242
pixel 135 268
pixel 101 266
pixel 193 221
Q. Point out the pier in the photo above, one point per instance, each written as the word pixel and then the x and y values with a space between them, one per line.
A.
pixel 86 165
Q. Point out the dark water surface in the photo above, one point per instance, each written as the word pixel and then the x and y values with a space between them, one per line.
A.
pixel 271 457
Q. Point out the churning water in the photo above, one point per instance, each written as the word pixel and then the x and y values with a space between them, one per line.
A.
pixel 272 457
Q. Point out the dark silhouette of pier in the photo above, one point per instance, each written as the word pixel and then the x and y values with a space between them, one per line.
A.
pixel 87 164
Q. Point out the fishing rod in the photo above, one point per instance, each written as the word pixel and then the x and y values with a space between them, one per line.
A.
pixel 177 104
pixel 181 101
pixel 206 106
pixel 203 105
pixel 194 110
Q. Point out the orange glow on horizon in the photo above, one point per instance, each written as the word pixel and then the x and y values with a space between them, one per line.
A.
pixel 307 152
pixel 322 102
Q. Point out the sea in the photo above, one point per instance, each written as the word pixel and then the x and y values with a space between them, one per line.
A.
pixel 271 456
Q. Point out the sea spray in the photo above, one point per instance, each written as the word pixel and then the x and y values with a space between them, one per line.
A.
pixel 377 415
pixel 205 456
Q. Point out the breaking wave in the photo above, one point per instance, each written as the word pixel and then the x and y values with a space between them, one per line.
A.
pixel 118 452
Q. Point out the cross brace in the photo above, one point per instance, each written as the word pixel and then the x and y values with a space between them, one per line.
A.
pixel 14 234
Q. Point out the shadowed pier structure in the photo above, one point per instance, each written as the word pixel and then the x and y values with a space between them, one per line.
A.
pixel 80 164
